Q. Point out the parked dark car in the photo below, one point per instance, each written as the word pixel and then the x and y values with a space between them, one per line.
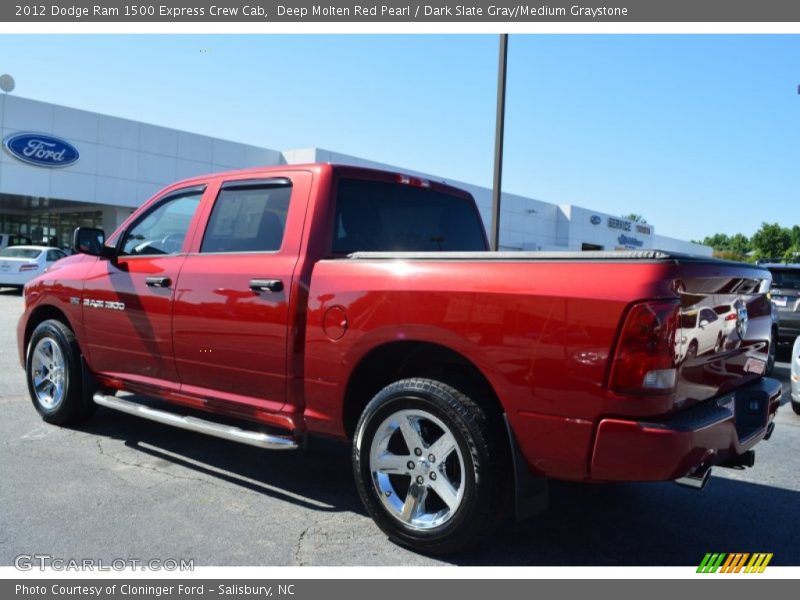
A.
pixel 785 293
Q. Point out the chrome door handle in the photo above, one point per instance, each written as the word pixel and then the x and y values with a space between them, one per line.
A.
pixel 266 285
pixel 159 282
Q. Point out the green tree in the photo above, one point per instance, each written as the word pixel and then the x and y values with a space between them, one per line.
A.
pixel 719 241
pixel 635 218
pixel 771 241
pixel 796 235
pixel 740 244
pixel 792 254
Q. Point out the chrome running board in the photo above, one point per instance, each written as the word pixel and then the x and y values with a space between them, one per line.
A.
pixel 226 432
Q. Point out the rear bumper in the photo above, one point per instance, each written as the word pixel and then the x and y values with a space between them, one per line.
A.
pixel 705 434
pixel 788 328
pixel 11 279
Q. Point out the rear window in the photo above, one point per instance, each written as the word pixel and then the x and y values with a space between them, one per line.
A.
pixel 786 278
pixel 248 220
pixel 20 253
pixel 383 217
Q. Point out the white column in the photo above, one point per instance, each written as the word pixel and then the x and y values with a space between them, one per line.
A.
pixel 113 218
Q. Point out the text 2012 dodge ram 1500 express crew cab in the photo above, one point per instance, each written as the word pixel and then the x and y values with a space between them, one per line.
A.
pixel 363 305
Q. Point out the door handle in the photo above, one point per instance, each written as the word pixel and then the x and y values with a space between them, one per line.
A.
pixel 266 285
pixel 159 282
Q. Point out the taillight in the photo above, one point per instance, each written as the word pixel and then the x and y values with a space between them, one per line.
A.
pixel 29 267
pixel 646 351
pixel 731 317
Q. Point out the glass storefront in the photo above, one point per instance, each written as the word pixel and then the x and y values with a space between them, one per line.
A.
pixel 50 228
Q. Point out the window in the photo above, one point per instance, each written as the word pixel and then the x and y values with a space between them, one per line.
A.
pixel 723 309
pixel 708 315
pixel 18 252
pixel 54 255
pixel 381 216
pixel 163 229
pixel 786 278
pixel 248 219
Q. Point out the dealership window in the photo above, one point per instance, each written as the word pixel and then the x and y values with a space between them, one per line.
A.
pixel 248 219
pixel 589 247
pixel 50 227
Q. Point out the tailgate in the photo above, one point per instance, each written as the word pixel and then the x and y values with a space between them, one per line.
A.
pixel 725 332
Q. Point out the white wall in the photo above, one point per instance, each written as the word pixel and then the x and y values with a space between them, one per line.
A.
pixel 663 242
pixel 122 162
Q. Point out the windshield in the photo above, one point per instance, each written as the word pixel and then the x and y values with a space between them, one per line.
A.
pixel 20 253
pixel 786 278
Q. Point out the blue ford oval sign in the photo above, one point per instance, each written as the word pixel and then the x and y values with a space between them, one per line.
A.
pixel 41 150
pixel 595 220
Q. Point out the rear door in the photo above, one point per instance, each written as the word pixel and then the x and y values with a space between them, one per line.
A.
pixel 231 314
pixel 127 301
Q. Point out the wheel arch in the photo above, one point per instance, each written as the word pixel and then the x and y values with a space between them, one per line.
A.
pixel 41 313
pixel 397 360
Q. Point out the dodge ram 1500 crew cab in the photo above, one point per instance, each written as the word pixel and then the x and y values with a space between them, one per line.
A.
pixel 268 305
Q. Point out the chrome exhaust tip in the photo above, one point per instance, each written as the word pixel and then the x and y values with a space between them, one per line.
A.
pixel 697 479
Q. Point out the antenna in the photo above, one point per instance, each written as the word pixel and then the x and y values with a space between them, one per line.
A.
pixel 7 83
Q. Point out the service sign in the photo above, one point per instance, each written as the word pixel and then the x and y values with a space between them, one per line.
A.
pixel 41 150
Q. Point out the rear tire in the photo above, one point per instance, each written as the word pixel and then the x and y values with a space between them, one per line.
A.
pixel 429 466
pixel 54 375
pixel 772 353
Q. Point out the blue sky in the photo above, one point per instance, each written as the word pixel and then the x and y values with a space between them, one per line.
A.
pixel 699 134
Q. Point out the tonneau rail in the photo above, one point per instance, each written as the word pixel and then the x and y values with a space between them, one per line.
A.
pixel 514 256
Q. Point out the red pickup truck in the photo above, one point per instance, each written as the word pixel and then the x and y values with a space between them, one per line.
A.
pixel 268 305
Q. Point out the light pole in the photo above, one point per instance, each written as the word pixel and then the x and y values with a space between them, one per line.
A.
pixel 498 141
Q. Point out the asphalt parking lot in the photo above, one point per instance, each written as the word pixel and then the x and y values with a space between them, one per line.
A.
pixel 122 487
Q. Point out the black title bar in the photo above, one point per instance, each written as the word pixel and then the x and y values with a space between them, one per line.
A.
pixel 501 11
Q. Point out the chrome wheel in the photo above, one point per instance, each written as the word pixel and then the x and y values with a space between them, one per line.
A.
pixel 417 469
pixel 48 373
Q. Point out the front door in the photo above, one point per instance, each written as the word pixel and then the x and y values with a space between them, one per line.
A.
pixel 127 301
pixel 233 296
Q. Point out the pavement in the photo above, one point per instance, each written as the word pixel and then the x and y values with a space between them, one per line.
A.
pixel 123 487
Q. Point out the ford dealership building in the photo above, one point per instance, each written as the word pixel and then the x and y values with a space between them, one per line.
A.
pixel 61 168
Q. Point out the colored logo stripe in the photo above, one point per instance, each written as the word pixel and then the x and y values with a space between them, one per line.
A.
pixel 711 563
pixel 734 562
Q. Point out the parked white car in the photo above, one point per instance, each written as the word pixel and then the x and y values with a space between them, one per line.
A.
pixel 796 376
pixel 20 264
pixel 726 312
pixel 702 331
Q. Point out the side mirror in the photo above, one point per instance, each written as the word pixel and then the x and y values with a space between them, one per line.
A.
pixel 89 240
pixel 703 323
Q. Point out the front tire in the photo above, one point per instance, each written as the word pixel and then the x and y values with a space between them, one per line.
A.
pixel 53 373
pixel 429 466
